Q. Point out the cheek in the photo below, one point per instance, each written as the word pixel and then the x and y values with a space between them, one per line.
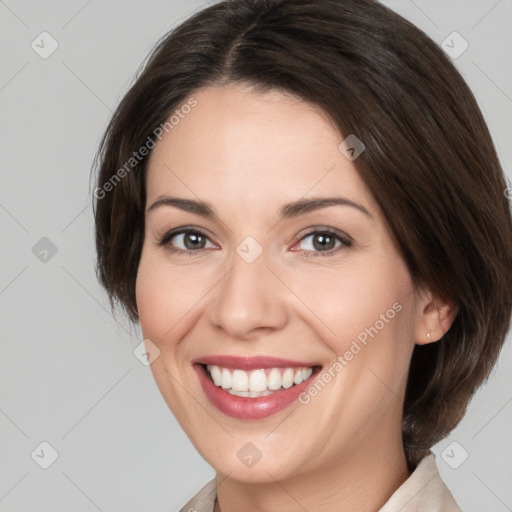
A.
pixel 164 301
pixel 169 297
pixel 367 321
pixel 357 300
pixel 163 297
pixel 159 303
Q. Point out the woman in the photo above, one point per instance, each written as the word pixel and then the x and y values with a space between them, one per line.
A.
pixel 301 204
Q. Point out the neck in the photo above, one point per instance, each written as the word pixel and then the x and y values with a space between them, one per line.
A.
pixel 361 480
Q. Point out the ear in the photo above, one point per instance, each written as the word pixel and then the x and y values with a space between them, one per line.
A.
pixel 434 318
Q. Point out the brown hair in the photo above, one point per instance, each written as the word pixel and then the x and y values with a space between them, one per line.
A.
pixel 429 161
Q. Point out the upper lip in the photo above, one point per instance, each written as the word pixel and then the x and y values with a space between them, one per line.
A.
pixel 251 363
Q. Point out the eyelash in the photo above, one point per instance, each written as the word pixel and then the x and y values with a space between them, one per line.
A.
pixel 344 239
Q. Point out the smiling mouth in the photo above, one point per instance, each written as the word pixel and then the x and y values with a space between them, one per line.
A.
pixel 258 382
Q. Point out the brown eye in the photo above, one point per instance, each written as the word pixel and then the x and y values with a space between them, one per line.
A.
pixel 193 240
pixel 324 241
pixel 189 240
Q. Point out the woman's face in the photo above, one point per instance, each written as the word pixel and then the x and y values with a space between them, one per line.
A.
pixel 249 279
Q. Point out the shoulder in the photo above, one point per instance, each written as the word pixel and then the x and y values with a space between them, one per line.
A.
pixel 424 490
pixel 204 500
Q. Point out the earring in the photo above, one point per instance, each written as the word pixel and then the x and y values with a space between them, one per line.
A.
pixel 428 336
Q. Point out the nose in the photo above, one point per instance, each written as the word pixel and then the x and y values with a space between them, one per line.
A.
pixel 250 300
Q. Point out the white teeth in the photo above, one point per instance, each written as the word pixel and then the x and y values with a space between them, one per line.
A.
pixel 288 378
pixel 257 382
pixel 306 373
pixel 274 379
pixel 216 374
pixel 252 394
pixel 226 379
pixel 238 393
pixel 239 381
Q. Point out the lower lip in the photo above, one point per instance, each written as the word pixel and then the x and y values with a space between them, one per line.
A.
pixel 247 408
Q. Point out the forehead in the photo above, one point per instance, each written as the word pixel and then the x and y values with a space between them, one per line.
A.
pixel 256 148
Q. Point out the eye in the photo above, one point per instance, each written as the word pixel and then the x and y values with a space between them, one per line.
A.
pixel 185 241
pixel 324 242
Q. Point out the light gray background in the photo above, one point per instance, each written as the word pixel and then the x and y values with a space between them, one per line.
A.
pixel 68 373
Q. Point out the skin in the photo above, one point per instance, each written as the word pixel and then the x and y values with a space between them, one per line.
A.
pixel 248 153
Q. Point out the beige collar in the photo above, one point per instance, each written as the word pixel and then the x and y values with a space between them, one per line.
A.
pixel 423 491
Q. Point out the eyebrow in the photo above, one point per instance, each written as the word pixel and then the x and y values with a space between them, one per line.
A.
pixel 290 210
